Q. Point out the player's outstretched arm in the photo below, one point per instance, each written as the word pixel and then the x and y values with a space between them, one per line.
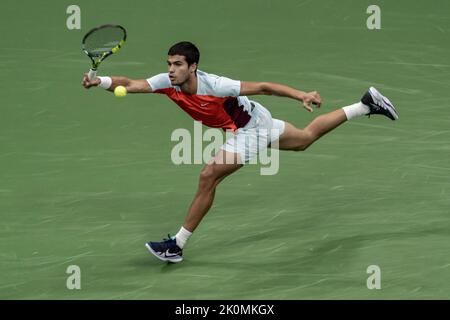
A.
pixel 132 86
pixel 269 88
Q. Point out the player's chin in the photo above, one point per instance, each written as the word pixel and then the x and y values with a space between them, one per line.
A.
pixel 176 81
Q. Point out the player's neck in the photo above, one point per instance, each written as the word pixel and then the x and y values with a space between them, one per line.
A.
pixel 190 86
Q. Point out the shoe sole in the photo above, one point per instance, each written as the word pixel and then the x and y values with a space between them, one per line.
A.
pixel 162 258
pixel 390 106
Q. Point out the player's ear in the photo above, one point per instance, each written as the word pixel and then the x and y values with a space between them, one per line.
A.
pixel 193 67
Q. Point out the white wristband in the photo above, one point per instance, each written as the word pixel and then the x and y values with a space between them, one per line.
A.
pixel 105 82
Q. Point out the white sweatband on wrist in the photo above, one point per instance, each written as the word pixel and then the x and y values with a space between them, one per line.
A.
pixel 105 82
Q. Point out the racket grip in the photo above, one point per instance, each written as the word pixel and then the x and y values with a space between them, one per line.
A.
pixel 92 74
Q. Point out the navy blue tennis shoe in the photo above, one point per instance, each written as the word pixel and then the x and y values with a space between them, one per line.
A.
pixel 379 104
pixel 166 250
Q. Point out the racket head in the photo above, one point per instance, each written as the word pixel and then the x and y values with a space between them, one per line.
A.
pixel 102 41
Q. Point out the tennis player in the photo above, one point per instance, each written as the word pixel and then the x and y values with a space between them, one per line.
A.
pixel 221 102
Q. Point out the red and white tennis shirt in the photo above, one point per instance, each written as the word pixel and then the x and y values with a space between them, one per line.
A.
pixel 216 104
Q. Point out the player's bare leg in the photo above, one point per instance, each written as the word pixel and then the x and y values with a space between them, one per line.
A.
pixel 222 165
pixel 372 102
pixel 300 139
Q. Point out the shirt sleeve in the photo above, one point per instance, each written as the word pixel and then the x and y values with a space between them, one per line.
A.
pixel 160 81
pixel 226 87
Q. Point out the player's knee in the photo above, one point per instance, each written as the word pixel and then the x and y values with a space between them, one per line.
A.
pixel 305 139
pixel 208 177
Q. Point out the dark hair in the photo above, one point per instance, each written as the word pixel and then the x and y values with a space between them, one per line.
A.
pixel 186 49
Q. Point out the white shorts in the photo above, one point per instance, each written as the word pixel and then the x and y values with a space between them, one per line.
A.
pixel 256 135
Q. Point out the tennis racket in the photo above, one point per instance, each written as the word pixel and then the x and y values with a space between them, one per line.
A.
pixel 101 42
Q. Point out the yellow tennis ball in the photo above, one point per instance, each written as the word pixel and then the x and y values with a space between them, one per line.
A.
pixel 120 91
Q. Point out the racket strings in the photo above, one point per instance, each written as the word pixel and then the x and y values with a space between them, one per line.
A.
pixel 103 40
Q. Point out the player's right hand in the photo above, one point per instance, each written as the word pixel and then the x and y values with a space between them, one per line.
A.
pixel 90 83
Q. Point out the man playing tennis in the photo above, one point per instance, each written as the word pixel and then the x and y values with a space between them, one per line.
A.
pixel 220 102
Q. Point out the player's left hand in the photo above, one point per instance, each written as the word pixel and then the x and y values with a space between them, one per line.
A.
pixel 310 99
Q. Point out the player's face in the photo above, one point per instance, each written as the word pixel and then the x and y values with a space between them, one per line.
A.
pixel 179 70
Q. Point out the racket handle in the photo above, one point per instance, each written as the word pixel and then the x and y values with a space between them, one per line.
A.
pixel 92 74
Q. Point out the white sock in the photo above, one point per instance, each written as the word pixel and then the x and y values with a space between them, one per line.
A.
pixel 356 110
pixel 182 236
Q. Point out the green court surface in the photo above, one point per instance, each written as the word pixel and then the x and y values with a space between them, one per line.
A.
pixel 86 178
